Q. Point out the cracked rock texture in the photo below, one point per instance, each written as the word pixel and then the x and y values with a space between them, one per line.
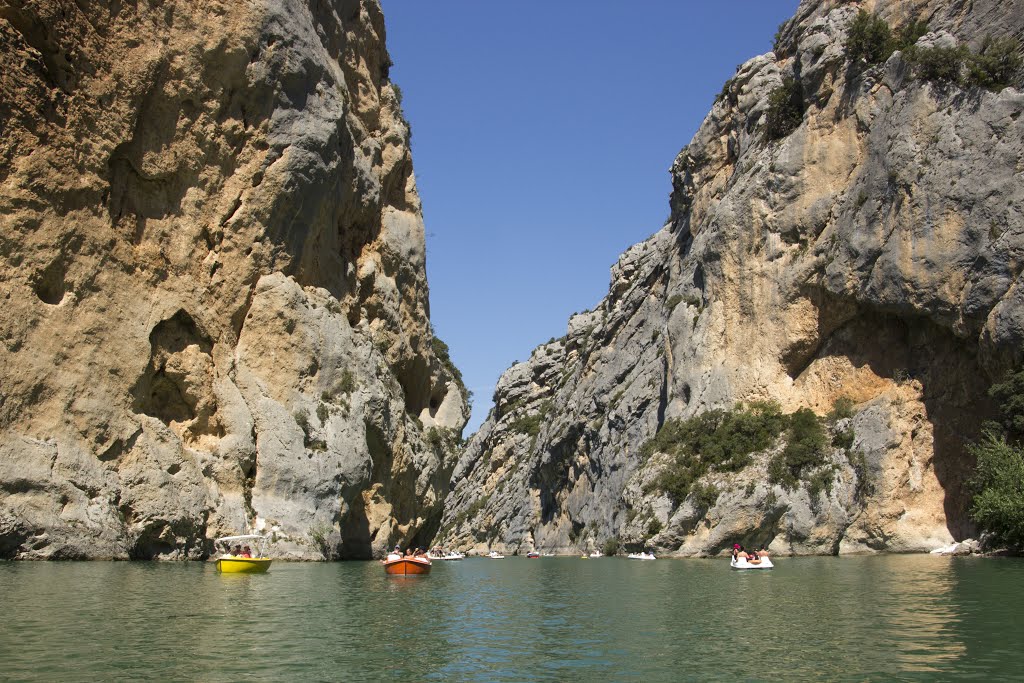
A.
pixel 215 308
pixel 873 253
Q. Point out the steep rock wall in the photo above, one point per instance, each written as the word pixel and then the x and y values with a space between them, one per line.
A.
pixel 873 253
pixel 216 308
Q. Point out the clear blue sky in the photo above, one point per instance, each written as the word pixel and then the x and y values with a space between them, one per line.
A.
pixel 542 136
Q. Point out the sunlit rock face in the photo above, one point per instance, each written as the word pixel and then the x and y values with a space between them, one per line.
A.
pixel 215 309
pixel 872 253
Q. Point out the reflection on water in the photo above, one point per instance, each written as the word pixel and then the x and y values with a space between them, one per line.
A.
pixel 897 617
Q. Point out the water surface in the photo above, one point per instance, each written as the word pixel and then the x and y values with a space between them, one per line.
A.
pixel 552 619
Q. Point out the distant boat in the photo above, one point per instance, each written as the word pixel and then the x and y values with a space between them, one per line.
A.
pixel 445 555
pixel 406 566
pixel 641 556
pixel 743 563
pixel 597 553
pixel 533 554
pixel 495 555
pixel 229 563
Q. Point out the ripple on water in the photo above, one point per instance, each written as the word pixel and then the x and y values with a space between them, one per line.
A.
pixel 553 619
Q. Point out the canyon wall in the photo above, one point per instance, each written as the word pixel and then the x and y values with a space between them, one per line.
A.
pixel 216 312
pixel 868 256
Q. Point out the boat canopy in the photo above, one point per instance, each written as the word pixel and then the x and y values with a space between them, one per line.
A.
pixel 247 537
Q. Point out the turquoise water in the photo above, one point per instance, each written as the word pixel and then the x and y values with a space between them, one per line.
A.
pixel 552 619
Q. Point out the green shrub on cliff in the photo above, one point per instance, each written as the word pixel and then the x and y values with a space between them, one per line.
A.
pixel 998 486
pixel 717 440
pixel 998 481
pixel 869 40
pixel 806 444
pixel 785 109
pixel 996 65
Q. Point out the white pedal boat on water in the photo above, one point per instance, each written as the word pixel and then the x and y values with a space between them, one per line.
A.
pixel 641 556
pixel 495 555
pixel 445 555
pixel 763 563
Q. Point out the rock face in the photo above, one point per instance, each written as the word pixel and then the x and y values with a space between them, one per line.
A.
pixel 871 254
pixel 215 304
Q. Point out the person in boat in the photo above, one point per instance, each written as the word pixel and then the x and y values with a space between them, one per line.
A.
pixel 738 553
pixel 246 552
pixel 237 551
pixel 419 552
pixel 763 552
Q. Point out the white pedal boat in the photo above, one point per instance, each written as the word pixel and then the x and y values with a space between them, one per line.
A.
pixel 641 556
pixel 763 563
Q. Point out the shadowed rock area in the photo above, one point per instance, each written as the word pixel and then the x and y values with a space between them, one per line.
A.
pixel 216 312
pixel 867 255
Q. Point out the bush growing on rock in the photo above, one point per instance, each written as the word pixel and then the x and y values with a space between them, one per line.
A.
pixel 716 440
pixel 998 486
pixel 997 65
pixel 869 40
pixel 998 482
pixel 785 109
pixel 805 449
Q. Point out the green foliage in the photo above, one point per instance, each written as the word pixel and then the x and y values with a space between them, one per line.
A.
pixel 997 65
pixel 998 486
pixel 705 497
pixel 821 481
pixel 777 40
pixel 347 382
pixel 785 109
pixel 842 408
pixel 716 440
pixel 1009 395
pixel 654 527
pixel 844 439
pixel 673 301
pixel 860 466
pixel 530 424
pixel 869 40
pixel 909 34
pixel 805 449
pixel 443 354
pixel 323 412
pixel 302 419
pixel 611 546
pixel 939 64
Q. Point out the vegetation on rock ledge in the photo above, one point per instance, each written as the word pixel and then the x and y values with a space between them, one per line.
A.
pixel 998 482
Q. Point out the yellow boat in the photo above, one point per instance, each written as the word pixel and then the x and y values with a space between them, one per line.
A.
pixel 231 563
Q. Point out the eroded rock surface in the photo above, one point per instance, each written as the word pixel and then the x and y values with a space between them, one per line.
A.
pixel 873 253
pixel 215 304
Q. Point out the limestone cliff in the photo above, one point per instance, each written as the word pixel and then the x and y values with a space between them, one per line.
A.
pixel 215 303
pixel 871 253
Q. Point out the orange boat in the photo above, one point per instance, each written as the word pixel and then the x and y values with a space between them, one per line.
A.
pixel 407 566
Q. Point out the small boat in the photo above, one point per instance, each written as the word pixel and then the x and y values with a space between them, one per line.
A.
pixel 445 555
pixel 407 565
pixel 597 553
pixel 533 554
pixel 231 563
pixel 495 555
pixel 743 563
pixel 641 556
